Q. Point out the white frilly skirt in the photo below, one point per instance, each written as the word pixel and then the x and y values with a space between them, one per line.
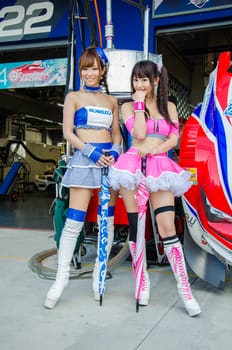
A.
pixel 161 173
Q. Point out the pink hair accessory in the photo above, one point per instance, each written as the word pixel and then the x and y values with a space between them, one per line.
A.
pixel 139 106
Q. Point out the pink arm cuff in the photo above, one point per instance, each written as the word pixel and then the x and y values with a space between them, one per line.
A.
pixel 139 106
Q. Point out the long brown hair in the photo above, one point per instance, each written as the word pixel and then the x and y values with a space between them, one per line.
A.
pixel 87 59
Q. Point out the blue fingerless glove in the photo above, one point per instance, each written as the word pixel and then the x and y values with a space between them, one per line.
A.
pixel 115 151
pixel 91 152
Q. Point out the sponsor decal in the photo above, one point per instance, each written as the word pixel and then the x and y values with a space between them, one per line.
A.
pixel 167 8
pixel 33 73
pixel 193 175
pixel 198 3
pixel 101 111
pixel 228 111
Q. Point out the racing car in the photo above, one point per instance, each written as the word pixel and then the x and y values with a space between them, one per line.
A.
pixel 206 151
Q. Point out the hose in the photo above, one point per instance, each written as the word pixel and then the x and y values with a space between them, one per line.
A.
pixel 98 23
pixel 36 263
pixel 29 152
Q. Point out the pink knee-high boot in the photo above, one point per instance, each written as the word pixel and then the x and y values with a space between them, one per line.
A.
pixel 145 291
pixel 175 255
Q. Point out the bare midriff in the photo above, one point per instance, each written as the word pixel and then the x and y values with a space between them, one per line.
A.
pixel 148 142
pixel 94 135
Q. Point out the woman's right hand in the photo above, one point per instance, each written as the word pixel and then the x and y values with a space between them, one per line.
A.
pixel 139 96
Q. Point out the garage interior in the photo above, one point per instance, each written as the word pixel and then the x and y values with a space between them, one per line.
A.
pixel 34 115
pixel 184 52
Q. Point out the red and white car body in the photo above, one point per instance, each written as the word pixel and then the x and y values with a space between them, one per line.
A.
pixel 206 151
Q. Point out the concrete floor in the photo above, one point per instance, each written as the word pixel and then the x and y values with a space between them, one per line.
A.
pixel 78 322
pixel 29 211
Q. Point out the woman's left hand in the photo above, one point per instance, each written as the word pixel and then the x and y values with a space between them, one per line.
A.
pixel 106 161
pixel 143 151
pixel 111 160
pixel 103 161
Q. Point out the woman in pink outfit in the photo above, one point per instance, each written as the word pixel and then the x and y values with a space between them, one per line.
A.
pixel 152 122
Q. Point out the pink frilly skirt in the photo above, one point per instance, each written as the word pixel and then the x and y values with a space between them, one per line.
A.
pixel 162 173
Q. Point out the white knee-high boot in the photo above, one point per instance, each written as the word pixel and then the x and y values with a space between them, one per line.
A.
pixel 145 291
pixel 175 255
pixel 70 233
pixel 110 229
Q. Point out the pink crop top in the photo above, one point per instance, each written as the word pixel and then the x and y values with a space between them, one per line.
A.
pixel 159 128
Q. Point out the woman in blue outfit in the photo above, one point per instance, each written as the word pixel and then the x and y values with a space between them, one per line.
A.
pixel 91 126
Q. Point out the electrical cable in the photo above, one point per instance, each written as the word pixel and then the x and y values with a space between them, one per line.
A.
pixel 70 53
pixel 80 20
pixel 92 28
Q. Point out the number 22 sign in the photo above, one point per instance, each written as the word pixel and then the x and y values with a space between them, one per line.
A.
pixel 19 20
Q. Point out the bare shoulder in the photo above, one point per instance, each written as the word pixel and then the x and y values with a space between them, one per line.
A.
pixel 172 111
pixel 76 99
pixel 127 108
pixel 72 95
pixel 113 99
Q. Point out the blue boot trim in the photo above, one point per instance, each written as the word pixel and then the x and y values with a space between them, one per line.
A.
pixel 77 215
pixel 110 210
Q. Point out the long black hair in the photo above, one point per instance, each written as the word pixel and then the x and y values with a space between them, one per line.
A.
pixel 149 69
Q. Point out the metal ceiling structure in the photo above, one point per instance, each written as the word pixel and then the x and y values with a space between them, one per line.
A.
pixel 45 102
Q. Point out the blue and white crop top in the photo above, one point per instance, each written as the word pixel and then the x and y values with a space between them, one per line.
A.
pixel 93 117
pixel 159 128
